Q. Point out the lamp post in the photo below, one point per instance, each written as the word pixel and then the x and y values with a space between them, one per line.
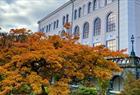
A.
pixel 134 58
pixel 132 41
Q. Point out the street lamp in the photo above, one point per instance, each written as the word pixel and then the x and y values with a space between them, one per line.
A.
pixel 132 41
pixel 134 59
pixel 131 63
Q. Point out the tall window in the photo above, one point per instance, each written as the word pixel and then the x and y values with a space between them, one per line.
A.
pixel 76 31
pixel 111 22
pixel 67 18
pixel 84 7
pixel 89 7
pixel 80 12
pixel 42 30
pixel 106 2
pixel 57 23
pixel 111 44
pixel 95 4
pixel 97 26
pixel 64 20
pixel 75 14
pixel 54 26
pixel 47 28
pixel 86 30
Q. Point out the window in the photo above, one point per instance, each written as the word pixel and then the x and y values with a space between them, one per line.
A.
pixel 111 22
pixel 75 14
pixel 86 30
pixel 80 11
pixel 54 25
pixel 97 44
pixel 67 18
pixel 106 2
pixel 76 31
pixel 47 28
pixel 95 5
pixel 84 7
pixel 89 7
pixel 97 27
pixel 111 44
pixel 57 23
pixel 43 29
pixel 63 20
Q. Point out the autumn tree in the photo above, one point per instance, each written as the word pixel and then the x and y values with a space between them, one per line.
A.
pixel 36 63
pixel 131 86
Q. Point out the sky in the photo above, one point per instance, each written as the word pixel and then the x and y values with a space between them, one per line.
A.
pixel 25 13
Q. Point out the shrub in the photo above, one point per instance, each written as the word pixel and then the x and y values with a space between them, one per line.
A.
pixel 85 91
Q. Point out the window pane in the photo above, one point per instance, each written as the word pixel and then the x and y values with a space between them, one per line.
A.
pixel 97 44
pixel 95 4
pixel 89 7
pixel 97 27
pixel 75 14
pixel 86 30
pixel 111 22
pixel 80 12
pixel 76 31
pixel 111 44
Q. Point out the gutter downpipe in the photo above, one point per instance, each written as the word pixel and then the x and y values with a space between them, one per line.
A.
pixel 118 24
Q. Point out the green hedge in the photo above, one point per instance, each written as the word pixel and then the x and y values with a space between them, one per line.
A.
pixel 85 91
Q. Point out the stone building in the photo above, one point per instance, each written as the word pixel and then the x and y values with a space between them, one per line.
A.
pixel 107 22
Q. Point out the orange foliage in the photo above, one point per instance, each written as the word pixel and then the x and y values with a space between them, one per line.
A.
pixel 33 58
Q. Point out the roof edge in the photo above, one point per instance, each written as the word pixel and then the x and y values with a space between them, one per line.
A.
pixel 55 11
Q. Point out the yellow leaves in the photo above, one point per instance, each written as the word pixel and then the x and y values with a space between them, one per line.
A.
pixel 79 75
pixel 36 88
pixel 36 82
pixel 19 31
pixel 103 73
pixel 5 91
pixel 53 56
pixel 2 70
pixel 60 88
pixel 34 78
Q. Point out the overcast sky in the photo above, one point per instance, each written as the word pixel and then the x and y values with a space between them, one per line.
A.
pixel 25 13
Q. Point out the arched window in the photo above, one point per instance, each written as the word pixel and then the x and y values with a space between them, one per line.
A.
pixel 67 18
pixel 117 83
pixel 80 12
pixel 84 9
pixel 95 4
pixel 89 7
pixel 75 14
pixel 97 26
pixel 63 20
pixel 76 31
pixel 85 30
pixel 57 23
pixel 111 22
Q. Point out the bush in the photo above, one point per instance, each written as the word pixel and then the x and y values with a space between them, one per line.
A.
pixel 24 89
pixel 132 86
pixel 85 91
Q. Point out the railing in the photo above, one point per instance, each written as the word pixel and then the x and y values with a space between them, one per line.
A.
pixel 128 62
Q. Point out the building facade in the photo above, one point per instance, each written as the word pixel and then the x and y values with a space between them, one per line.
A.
pixel 107 22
